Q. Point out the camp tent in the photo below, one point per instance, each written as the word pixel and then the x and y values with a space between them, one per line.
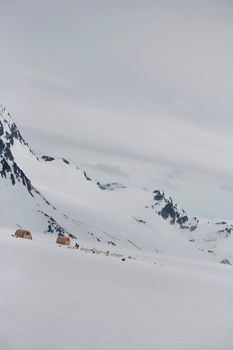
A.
pixel 63 240
pixel 23 234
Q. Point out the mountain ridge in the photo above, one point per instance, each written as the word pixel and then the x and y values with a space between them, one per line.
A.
pixel 21 167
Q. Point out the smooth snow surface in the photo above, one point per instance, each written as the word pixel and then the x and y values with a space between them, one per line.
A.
pixel 55 298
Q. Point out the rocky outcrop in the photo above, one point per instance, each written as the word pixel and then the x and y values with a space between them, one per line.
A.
pixel 168 210
pixel 110 186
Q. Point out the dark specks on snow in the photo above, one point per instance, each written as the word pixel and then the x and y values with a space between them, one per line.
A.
pixel 110 186
pixel 158 195
pixel 111 243
pixel 133 244
pixel 48 158
pixel 226 262
pixel 54 227
pixel 87 178
pixel 140 221
pixel 65 161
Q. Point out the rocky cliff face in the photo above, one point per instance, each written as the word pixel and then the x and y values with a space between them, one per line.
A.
pixel 12 174
pixel 9 168
pixel 166 208
pixel 170 211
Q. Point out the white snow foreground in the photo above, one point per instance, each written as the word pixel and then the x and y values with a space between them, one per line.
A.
pixel 54 298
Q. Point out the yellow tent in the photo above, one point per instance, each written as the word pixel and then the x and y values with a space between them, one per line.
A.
pixel 63 240
pixel 23 234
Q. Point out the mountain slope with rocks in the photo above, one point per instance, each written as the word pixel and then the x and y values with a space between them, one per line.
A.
pixel 47 194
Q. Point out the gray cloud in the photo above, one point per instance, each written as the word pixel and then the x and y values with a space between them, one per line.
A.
pixel 227 188
pixel 112 170
pixel 144 86
pixel 175 174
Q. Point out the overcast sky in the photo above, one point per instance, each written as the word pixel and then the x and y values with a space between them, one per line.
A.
pixel 138 90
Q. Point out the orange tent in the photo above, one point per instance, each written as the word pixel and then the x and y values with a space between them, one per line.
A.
pixel 63 240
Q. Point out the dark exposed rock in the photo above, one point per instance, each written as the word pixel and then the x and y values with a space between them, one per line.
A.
pixel 110 186
pixel 168 211
pixel 2 146
pixel 44 199
pixel 102 187
pixel 182 220
pixel 1 128
pixel 5 168
pixel 226 262
pixel 54 227
pixel 15 134
pixel 226 231
pixel 48 158
pixel 140 221
pixel 7 152
pixel 65 161
pixel 21 177
pixel 111 243
pixel 133 244
pixel 87 178
pixel 72 236
pixel 9 166
pixel 12 179
pixel 158 195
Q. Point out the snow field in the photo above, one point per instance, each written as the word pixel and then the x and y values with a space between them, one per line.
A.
pixel 54 298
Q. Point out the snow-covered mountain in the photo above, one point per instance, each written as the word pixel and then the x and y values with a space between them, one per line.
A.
pixel 52 195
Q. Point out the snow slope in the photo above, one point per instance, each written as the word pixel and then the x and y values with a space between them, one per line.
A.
pixel 53 195
pixel 54 298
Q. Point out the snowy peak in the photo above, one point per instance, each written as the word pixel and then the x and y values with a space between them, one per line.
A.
pixel 170 211
pixel 8 167
pixel 18 185
pixel 8 129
